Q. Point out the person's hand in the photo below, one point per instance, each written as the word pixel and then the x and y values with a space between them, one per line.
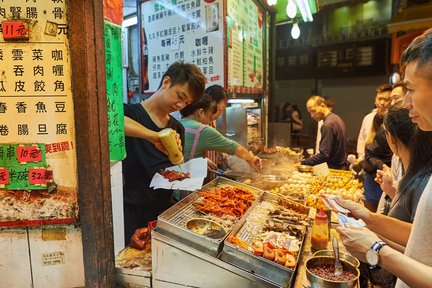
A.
pixel 356 209
pixel 179 143
pixel 154 138
pixel 357 240
pixel 385 180
pixel 211 165
pixel 255 163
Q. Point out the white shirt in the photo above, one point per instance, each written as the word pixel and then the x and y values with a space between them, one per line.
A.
pixel 318 138
pixel 419 242
pixel 364 133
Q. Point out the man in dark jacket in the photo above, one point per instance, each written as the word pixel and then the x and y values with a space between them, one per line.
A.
pixel 332 147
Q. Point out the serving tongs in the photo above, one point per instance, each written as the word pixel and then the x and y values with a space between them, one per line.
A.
pixel 338 264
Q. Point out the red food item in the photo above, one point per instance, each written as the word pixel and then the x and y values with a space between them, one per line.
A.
pixel 268 253
pixel 172 175
pixel 279 257
pixel 327 271
pixel 258 248
pixel 140 238
pixel 225 200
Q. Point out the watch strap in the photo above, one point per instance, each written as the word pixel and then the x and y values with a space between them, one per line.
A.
pixel 378 245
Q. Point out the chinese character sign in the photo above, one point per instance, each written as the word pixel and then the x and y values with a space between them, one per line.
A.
pixel 188 30
pixel 36 106
pixel 23 167
pixel 114 84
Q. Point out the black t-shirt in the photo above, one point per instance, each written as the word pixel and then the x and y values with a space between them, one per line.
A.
pixel 143 160
pixel 332 148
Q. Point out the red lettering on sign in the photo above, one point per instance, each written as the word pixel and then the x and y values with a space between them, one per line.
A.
pixel 4 176
pixel 15 30
pixel 29 154
pixel 37 176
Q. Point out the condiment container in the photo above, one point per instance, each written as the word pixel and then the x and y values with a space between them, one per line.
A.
pixel 320 232
pixel 168 139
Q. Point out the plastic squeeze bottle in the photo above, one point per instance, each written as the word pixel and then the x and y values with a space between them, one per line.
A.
pixel 168 139
pixel 320 232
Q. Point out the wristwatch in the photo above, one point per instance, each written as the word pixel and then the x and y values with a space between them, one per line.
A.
pixel 372 255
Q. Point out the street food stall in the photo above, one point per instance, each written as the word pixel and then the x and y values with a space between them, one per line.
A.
pixel 230 232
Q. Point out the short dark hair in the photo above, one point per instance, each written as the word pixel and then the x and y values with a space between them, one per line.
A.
pixel 383 88
pixel 180 73
pixel 420 49
pixel 205 102
pixel 217 92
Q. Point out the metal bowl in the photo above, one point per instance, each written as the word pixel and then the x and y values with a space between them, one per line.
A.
pixel 317 281
pixel 305 168
pixel 206 228
pixel 342 255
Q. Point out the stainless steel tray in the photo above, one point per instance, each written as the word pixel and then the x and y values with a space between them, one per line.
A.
pixel 172 222
pixel 276 274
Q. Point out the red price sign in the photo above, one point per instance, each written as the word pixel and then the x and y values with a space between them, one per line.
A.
pixel 29 154
pixel 37 176
pixel 4 176
pixel 15 30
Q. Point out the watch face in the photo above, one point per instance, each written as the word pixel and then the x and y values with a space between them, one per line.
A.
pixel 372 257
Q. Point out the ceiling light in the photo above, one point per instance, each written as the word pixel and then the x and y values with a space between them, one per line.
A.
pixel 305 10
pixel 295 31
pixel 241 101
pixel 291 9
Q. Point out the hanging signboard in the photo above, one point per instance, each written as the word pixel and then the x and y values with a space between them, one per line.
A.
pixel 38 169
pixel 114 87
pixel 187 30
pixel 245 50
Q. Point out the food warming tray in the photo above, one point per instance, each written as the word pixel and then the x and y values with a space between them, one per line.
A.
pixel 278 275
pixel 173 221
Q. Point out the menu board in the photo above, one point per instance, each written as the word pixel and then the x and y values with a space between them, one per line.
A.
pixel 181 30
pixel 245 48
pixel 36 111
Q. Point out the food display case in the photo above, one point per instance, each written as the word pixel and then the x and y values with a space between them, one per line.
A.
pixel 278 274
pixel 173 221
pixel 181 257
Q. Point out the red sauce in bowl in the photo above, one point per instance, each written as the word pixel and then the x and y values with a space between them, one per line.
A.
pixel 327 271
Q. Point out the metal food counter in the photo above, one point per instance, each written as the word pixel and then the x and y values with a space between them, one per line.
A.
pixel 181 257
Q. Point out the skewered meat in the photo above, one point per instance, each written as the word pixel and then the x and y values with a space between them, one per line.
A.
pixel 172 175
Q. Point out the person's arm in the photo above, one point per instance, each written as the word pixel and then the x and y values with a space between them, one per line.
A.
pixel 390 228
pixel 325 147
pixel 359 240
pixel 411 272
pixel 135 129
pixel 361 140
pixel 214 141
pixel 249 157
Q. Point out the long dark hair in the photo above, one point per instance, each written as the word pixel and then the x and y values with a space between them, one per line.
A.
pixel 420 165
pixel 217 92
pixel 206 102
pixel 398 123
